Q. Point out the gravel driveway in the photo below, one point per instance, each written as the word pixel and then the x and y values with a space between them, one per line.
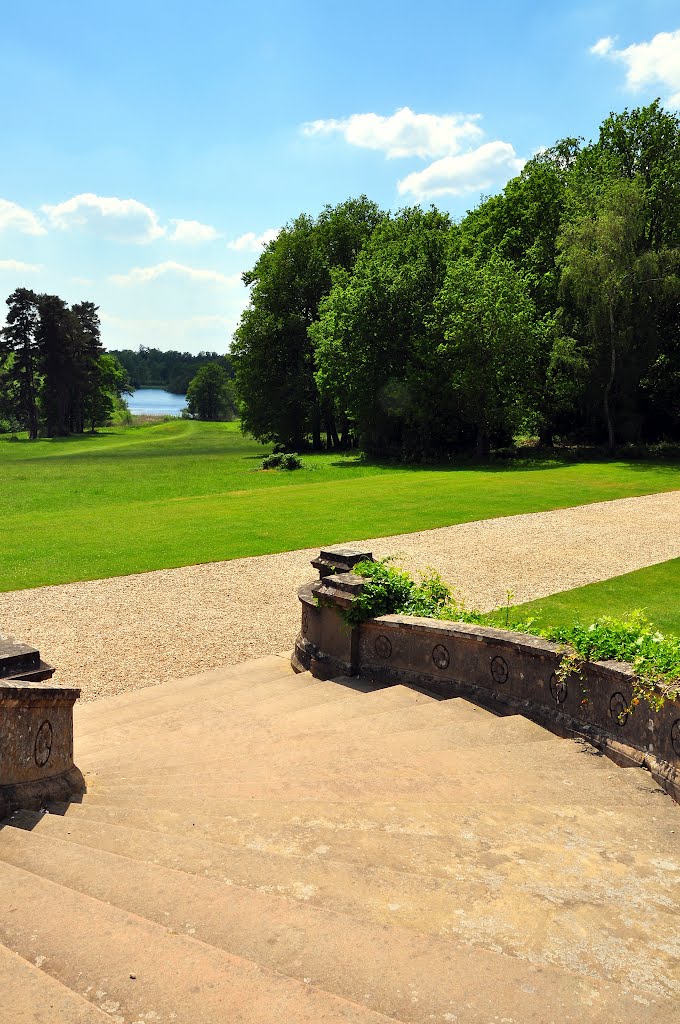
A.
pixel 128 632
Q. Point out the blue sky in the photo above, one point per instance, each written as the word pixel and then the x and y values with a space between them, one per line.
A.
pixel 150 147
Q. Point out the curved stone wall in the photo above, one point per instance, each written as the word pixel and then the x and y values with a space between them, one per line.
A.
pixel 511 671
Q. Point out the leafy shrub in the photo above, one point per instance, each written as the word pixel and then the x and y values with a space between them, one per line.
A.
pixel 282 460
pixel 389 591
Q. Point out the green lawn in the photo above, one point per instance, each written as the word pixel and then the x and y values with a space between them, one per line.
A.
pixel 180 493
pixel 655 590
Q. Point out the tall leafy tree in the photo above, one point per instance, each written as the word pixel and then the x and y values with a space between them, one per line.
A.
pixel 489 342
pixel 371 339
pixel 273 356
pixel 210 395
pixel 108 382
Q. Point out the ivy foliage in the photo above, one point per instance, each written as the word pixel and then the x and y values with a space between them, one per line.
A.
pixel 655 657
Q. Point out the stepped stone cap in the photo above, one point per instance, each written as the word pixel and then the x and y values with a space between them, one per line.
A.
pixel 332 561
pixel 21 661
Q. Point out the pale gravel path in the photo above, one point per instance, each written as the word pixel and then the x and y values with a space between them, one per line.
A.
pixel 127 632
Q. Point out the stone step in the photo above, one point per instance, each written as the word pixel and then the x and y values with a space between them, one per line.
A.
pixel 421 711
pixel 29 996
pixel 472 855
pixel 250 719
pixel 456 734
pixel 410 976
pixel 133 705
pixel 245 710
pixel 343 762
pixel 136 969
pixel 395 769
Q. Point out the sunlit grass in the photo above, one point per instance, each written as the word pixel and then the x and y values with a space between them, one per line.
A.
pixel 180 493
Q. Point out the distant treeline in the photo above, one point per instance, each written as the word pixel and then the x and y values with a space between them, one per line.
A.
pixel 172 371
pixel 552 310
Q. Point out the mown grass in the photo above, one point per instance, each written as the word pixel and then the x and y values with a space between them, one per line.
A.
pixel 180 493
pixel 654 590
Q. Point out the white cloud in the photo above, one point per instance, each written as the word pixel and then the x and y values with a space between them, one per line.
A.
pixel 16 218
pixel 121 220
pixel 655 62
pixel 193 232
pixel 404 133
pixel 16 266
pixel 250 242
pixel 490 165
pixel 603 46
pixel 143 275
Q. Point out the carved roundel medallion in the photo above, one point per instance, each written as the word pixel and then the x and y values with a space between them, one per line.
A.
pixel 618 708
pixel 43 744
pixel 558 689
pixel 675 737
pixel 499 669
pixel 440 656
pixel 382 646
pixel 305 620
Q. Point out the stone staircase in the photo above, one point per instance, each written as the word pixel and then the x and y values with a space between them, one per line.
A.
pixel 258 846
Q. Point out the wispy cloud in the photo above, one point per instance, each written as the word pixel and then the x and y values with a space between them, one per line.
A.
pixel 16 218
pixel 489 166
pixel 143 275
pixel 120 220
pixel 403 133
pixel 16 266
pixel 250 242
pixel 192 232
pixel 654 62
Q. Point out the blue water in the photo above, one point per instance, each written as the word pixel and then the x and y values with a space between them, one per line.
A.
pixel 155 402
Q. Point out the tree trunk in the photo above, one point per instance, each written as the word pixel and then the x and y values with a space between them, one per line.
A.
pixel 611 443
pixel 482 445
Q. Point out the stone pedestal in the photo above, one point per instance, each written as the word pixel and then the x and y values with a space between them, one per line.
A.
pixel 326 645
pixel 36 732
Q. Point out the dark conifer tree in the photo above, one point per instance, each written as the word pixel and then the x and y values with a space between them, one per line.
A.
pixel 19 344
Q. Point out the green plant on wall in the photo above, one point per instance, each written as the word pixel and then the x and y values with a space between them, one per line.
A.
pixel 655 657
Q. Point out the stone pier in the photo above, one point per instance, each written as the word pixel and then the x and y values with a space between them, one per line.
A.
pixel 36 732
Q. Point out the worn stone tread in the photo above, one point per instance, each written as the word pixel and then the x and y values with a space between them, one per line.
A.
pixel 411 976
pixel 29 996
pixel 93 948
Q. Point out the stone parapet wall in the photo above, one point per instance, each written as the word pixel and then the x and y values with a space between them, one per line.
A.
pixel 512 671
pixel 36 734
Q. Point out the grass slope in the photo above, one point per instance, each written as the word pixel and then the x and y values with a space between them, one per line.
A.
pixel 181 493
pixel 655 590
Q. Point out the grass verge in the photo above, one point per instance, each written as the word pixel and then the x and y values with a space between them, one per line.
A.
pixel 654 590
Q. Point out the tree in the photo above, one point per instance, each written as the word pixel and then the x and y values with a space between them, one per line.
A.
pixel 489 340
pixel 109 381
pixel 20 350
pixel 58 342
pixel 370 340
pixel 602 270
pixel 273 355
pixel 209 395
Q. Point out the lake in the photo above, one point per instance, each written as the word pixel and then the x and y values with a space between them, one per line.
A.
pixel 155 402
